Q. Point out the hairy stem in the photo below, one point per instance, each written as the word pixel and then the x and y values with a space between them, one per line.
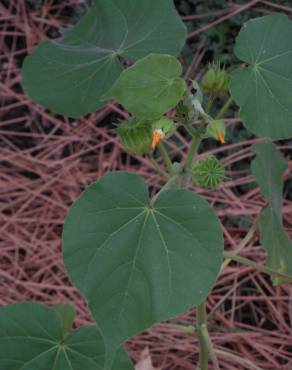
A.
pixel 225 107
pixel 193 150
pixel 172 182
pixel 209 104
pixel 190 159
pixel 157 167
pixel 211 351
pixel 165 157
pixel 201 326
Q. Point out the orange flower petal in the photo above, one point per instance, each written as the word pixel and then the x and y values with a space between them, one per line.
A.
pixel 221 138
pixel 157 136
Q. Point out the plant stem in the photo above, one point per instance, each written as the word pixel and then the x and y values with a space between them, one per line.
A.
pixel 201 326
pixel 189 329
pixel 225 107
pixel 169 184
pixel 190 158
pixel 257 266
pixel 157 167
pixel 209 104
pixel 209 344
pixel 193 150
pixel 165 157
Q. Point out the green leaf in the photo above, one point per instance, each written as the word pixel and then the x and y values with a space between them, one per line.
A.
pixel 268 168
pixel 67 314
pixel 32 338
pixel 263 89
pixel 150 87
pixel 69 76
pixel 277 244
pixel 137 264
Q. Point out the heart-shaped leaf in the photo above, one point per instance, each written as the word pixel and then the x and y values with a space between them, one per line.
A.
pixel 268 168
pixel 67 314
pixel 151 87
pixel 263 89
pixel 70 76
pixel 136 263
pixel 32 337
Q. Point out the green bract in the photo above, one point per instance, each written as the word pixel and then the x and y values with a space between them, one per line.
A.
pixel 150 87
pixel 35 337
pixel 216 129
pixel 166 125
pixel 137 264
pixel 136 136
pixel 263 90
pixel 268 168
pixel 69 76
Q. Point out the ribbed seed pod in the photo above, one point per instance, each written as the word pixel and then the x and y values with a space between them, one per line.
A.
pixel 215 81
pixel 136 136
pixel 209 80
pixel 208 173
pixel 222 80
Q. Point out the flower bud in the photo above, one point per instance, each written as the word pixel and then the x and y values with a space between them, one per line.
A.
pixel 136 136
pixel 208 173
pixel 166 125
pixel 162 128
pixel 216 129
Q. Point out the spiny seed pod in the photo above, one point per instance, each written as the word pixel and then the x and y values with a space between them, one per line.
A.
pixel 162 128
pixel 209 80
pixel 215 81
pixel 222 80
pixel 136 136
pixel 208 173
pixel 216 129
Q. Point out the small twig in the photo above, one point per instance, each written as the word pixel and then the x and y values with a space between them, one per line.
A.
pixel 242 244
pixel 257 266
pixel 238 359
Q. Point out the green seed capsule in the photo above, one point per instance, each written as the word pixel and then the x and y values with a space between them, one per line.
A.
pixel 209 80
pixel 215 81
pixel 222 80
pixel 208 173
pixel 136 136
